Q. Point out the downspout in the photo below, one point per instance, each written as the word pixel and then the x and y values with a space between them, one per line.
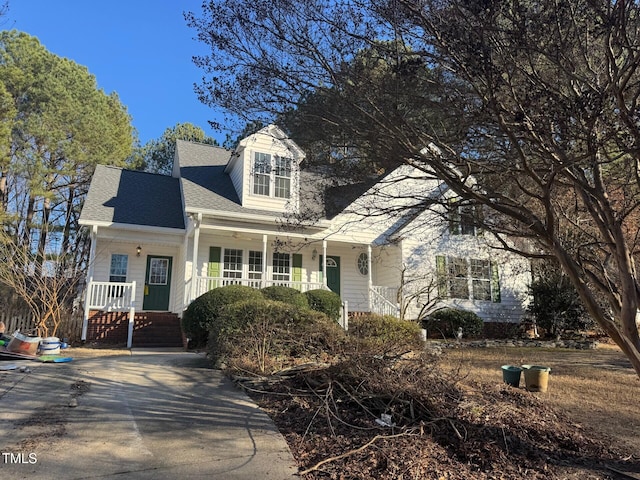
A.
pixel 370 274
pixel 194 260
pixel 87 295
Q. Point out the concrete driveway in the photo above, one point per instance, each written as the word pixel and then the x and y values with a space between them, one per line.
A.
pixel 139 415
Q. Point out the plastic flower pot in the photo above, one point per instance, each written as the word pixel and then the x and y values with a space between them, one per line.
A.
pixel 536 378
pixel 511 375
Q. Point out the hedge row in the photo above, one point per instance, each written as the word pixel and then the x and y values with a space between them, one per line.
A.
pixel 205 311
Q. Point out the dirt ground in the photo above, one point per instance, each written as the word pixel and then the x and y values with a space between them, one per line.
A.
pixel 453 417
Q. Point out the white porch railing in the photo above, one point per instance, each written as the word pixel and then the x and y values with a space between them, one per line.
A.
pixel 204 284
pixel 110 297
pixel 384 300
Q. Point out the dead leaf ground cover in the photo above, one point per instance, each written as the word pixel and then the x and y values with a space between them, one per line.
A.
pixel 453 418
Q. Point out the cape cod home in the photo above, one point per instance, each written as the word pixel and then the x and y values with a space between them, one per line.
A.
pixel 158 242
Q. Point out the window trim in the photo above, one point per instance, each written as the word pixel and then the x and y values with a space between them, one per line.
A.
pixel 276 173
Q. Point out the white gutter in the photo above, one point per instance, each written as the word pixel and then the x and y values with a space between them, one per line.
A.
pixel 129 226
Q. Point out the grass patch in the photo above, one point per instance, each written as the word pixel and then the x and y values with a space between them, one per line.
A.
pixel 595 388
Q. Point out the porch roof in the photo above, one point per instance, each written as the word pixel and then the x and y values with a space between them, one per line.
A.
pixel 133 198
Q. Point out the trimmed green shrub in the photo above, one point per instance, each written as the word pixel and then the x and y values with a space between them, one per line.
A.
pixel 261 336
pixel 205 309
pixel 384 334
pixel 286 295
pixel 448 320
pixel 325 301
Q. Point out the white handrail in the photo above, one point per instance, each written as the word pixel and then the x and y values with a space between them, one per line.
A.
pixel 380 303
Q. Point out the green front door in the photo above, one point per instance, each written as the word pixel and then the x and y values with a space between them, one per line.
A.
pixel 333 273
pixel 157 286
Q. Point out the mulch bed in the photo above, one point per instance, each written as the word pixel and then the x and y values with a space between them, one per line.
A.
pixel 335 421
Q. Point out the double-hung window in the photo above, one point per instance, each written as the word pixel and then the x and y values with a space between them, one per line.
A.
pixel 468 279
pixel 118 274
pixel 282 177
pixel 255 267
pixel 262 174
pixel 232 265
pixel 458 277
pixel 271 170
pixel 481 279
pixel 463 218
pixel 118 268
pixel 281 267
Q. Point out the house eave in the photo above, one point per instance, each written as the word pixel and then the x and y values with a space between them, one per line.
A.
pixel 252 217
pixel 132 227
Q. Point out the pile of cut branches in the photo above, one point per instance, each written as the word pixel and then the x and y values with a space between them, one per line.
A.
pixel 371 417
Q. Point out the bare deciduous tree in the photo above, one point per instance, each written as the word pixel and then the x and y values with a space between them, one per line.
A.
pixel 526 109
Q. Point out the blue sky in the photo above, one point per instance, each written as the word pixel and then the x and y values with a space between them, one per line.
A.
pixel 140 49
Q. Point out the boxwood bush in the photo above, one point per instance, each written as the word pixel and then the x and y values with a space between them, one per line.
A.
pixel 384 334
pixel 261 336
pixel 286 295
pixel 204 310
pixel 325 301
pixel 447 321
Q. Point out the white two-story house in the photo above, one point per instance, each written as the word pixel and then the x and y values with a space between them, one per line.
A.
pixel 158 242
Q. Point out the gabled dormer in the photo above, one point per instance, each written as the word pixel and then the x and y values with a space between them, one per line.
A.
pixel 265 171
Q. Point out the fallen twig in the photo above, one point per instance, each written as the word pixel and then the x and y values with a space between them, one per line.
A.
pixel 352 452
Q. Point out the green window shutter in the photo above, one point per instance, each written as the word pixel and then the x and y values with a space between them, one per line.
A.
pixel 214 268
pixel 495 283
pixel 441 272
pixel 296 271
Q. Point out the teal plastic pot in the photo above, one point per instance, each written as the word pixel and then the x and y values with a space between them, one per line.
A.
pixel 511 375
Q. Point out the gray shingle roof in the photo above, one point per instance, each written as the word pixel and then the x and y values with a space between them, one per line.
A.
pixel 132 197
pixel 205 185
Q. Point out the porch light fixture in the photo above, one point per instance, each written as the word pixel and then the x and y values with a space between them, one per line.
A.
pixel 314 254
pixel 138 250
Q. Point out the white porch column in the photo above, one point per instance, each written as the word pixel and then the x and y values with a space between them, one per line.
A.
pixel 263 282
pixel 87 294
pixel 324 263
pixel 132 316
pixel 194 260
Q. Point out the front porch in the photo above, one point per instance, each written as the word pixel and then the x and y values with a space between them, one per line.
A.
pixel 111 316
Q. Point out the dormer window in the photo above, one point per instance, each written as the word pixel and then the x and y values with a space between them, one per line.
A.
pixel 262 174
pixel 282 177
pixel 268 170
